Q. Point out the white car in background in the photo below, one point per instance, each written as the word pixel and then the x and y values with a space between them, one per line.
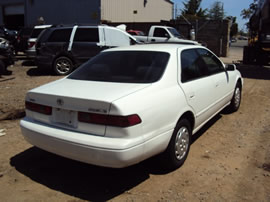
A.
pixel 31 49
pixel 128 104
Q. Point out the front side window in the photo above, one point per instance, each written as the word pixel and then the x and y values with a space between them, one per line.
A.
pixel 192 66
pixel 60 35
pixel 214 66
pixel 87 35
pixel 124 67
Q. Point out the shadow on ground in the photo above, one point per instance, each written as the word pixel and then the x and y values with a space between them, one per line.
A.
pixel 255 71
pixel 88 182
pixel 39 72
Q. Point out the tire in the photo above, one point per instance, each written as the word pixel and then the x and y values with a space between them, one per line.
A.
pixel 63 66
pixel 236 99
pixel 178 148
pixel 2 67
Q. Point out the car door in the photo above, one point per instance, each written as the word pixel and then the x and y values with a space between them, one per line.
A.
pixel 85 43
pixel 220 77
pixel 114 37
pixel 57 43
pixel 197 85
pixel 159 35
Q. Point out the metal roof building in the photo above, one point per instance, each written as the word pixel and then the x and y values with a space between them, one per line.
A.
pixel 136 10
pixel 18 13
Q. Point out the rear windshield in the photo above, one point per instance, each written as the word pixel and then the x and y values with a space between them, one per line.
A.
pixel 123 67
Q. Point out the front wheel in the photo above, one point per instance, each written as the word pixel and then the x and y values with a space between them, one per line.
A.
pixel 178 148
pixel 63 66
pixel 236 100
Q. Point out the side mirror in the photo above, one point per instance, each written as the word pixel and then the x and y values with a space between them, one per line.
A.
pixel 230 67
pixel 167 35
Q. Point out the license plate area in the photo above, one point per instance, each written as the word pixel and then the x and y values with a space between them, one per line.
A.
pixel 64 117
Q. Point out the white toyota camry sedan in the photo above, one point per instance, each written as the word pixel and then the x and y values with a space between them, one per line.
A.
pixel 128 104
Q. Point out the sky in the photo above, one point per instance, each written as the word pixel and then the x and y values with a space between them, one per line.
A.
pixel 231 8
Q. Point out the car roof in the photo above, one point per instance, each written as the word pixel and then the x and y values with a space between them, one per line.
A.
pixel 163 47
pixel 42 26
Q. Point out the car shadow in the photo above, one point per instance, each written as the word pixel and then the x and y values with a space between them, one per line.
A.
pixel 28 63
pixel 39 72
pixel 254 71
pixel 208 125
pixel 88 182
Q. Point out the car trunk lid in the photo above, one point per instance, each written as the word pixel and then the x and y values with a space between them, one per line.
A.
pixel 67 97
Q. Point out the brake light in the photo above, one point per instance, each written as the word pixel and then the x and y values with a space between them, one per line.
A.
pixel 109 120
pixel 31 44
pixel 43 109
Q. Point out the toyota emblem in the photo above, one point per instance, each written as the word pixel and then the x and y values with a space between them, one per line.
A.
pixel 59 102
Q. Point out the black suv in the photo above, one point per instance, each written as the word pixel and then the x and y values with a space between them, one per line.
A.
pixel 64 48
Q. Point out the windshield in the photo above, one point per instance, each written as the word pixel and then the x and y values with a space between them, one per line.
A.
pixel 123 67
pixel 174 32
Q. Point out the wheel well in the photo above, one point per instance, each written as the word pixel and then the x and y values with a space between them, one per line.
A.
pixel 239 82
pixel 190 117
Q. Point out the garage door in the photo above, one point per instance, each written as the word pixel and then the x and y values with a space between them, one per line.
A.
pixel 14 10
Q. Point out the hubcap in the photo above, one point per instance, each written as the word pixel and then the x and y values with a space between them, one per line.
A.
pixel 237 97
pixel 63 66
pixel 181 143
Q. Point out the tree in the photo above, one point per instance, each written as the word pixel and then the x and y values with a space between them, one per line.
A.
pixel 247 13
pixel 216 11
pixel 234 26
pixel 192 9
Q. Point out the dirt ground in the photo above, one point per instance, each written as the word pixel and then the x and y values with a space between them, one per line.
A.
pixel 229 159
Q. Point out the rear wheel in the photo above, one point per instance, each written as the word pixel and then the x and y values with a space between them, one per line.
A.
pixel 63 66
pixel 178 148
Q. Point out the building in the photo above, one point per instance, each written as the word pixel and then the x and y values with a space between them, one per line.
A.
pixel 19 13
pixel 136 10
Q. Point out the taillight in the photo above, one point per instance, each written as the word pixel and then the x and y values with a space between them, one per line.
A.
pixel 31 44
pixel 109 120
pixel 43 109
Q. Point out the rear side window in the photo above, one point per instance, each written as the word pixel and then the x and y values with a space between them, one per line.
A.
pixel 124 67
pixel 60 35
pixel 87 35
pixel 192 66
pixel 36 32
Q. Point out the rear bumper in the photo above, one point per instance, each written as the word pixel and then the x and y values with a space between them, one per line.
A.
pixel 31 53
pixel 83 147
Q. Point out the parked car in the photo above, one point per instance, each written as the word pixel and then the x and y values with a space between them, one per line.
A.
pixel 24 34
pixel 10 35
pixel 136 32
pixel 31 50
pixel 63 48
pixel 6 55
pixel 128 104
pixel 164 34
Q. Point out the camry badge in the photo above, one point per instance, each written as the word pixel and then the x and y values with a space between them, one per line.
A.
pixel 59 102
